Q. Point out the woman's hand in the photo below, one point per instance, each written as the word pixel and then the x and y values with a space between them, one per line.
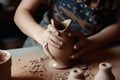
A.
pixel 51 36
pixel 82 44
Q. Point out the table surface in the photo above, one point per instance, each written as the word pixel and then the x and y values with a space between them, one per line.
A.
pixel 22 56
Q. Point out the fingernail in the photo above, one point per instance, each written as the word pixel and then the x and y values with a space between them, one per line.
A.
pixel 75 47
pixel 69 34
pixel 61 43
pixel 73 57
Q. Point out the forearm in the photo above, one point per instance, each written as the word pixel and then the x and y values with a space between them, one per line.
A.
pixel 26 23
pixel 108 35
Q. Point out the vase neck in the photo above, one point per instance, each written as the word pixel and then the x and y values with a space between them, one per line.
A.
pixel 62 26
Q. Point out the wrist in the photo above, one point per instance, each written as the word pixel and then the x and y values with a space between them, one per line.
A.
pixel 96 44
pixel 39 37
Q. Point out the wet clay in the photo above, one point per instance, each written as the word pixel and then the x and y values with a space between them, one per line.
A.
pixel 60 57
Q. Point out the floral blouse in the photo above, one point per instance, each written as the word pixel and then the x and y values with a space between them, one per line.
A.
pixel 84 18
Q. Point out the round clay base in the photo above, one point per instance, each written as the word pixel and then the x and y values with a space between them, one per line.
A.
pixel 55 65
pixel 41 69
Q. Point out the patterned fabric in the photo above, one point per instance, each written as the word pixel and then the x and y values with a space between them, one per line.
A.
pixel 84 18
pixel 78 11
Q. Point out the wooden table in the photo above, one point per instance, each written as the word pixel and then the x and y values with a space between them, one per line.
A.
pixel 22 56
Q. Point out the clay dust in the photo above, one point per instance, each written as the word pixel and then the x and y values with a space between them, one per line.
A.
pixel 40 69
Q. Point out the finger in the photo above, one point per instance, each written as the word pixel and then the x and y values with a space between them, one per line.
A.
pixel 79 45
pixel 77 55
pixel 55 39
pixel 53 43
pixel 53 28
pixel 52 38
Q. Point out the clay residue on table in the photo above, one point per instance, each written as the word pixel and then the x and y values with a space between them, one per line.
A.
pixel 40 69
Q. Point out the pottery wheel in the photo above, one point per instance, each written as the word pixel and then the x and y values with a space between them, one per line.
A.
pixel 40 69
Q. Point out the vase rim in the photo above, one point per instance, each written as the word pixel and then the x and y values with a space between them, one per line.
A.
pixel 105 65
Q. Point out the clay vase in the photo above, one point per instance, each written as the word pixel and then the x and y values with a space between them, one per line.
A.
pixel 61 56
pixel 76 74
pixel 105 72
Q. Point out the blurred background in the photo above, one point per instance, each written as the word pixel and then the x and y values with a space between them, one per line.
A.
pixel 10 36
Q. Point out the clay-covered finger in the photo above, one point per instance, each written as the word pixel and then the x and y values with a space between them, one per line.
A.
pixel 54 44
pixel 52 28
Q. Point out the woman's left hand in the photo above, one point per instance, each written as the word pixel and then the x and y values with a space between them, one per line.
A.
pixel 82 44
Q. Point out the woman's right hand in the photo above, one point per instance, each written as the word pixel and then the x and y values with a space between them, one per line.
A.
pixel 51 36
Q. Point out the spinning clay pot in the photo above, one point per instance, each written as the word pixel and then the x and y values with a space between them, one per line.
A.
pixel 61 56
